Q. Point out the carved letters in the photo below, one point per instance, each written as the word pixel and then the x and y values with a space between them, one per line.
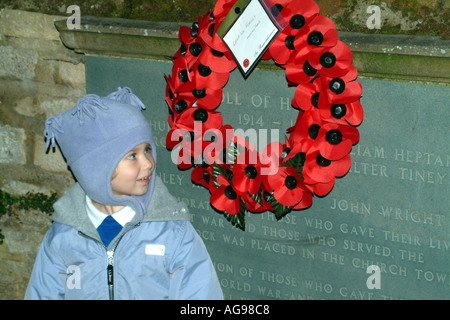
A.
pixel 391 210
pixel 324 252
pixel 295 258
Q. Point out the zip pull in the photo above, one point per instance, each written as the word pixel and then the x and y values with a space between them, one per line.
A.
pixel 110 257
pixel 110 274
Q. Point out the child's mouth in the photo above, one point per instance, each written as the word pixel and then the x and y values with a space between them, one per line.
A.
pixel 144 179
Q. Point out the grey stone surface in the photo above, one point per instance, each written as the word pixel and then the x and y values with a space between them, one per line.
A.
pixel 18 64
pixel 382 56
pixel 12 145
pixel 391 210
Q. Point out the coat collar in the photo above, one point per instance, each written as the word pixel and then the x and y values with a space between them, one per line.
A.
pixel 71 209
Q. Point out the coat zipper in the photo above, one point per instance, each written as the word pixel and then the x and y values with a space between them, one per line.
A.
pixel 110 259
pixel 110 273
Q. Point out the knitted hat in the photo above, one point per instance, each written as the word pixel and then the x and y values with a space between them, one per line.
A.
pixel 95 135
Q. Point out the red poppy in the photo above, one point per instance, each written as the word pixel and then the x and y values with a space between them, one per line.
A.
pixel 322 189
pixel 222 8
pixel 271 158
pixel 281 3
pixel 179 140
pixel 225 198
pixel 192 45
pixel 218 61
pixel 307 95
pixel 201 46
pixel 188 128
pixel 253 205
pixel 331 61
pixel 282 49
pixel 188 35
pixel 170 91
pixel 321 32
pixel 220 140
pixel 306 201
pixel 349 113
pixel 181 79
pixel 202 175
pixel 189 146
pixel 286 186
pixel 299 70
pixel 207 98
pixel 178 102
pixel 341 90
pixel 318 169
pixel 209 36
pixel 299 14
pixel 214 54
pixel 246 172
pixel 174 137
pixel 177 106
pixel 208 119
pixel 306 130
pixel 335 141
pixel 328 61
pixel 185 37
pixel 204 77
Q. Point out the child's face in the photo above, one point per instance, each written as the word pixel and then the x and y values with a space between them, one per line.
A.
pixel 134 172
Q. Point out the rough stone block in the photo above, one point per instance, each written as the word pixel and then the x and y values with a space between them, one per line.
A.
pixel 57 105
pixel 23 233
pixel 26 106
pixel 46 49
pixel 46 71
pixel 50 161
pixel 12 145
pixel 17 64
pixel 19 188
pixel 24 24
pixel 71 74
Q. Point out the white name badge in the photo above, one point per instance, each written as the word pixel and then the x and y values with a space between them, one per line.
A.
pixel 155 249
pixel 251 35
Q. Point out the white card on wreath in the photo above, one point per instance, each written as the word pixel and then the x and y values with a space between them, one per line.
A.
pixel 251 35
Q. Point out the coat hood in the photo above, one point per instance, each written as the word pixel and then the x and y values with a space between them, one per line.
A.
pixel 71 209
pixel 95 135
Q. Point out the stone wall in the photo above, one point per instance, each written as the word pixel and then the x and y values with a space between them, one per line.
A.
pixel 426 17
pixel 39 77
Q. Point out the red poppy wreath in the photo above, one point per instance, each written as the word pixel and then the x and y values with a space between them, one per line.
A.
pixel 284 176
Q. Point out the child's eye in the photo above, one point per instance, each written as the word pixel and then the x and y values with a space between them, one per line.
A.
pixel 148 150
pixel 132 156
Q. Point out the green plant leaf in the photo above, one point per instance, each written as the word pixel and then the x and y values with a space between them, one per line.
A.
pixel 233 151
pixel 297 162
pixel 217 171
pixel 258 195
pixel 237 220
pixel 35 201
pixel 279 210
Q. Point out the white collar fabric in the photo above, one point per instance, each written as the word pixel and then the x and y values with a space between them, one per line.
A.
pixel 122 216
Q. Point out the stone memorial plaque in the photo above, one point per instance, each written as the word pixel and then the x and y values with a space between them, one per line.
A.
pixel 390 211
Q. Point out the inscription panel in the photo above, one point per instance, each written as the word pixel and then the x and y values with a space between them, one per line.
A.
pixel 391 210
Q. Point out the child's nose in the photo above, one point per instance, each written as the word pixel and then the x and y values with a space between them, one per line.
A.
pixel 147 163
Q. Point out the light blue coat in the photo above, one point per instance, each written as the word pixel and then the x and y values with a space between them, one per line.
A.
pixel 159 257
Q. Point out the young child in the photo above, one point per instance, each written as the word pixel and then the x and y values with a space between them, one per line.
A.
pixel 117 233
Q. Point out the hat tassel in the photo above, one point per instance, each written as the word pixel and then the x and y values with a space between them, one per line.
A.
pixel 125 95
